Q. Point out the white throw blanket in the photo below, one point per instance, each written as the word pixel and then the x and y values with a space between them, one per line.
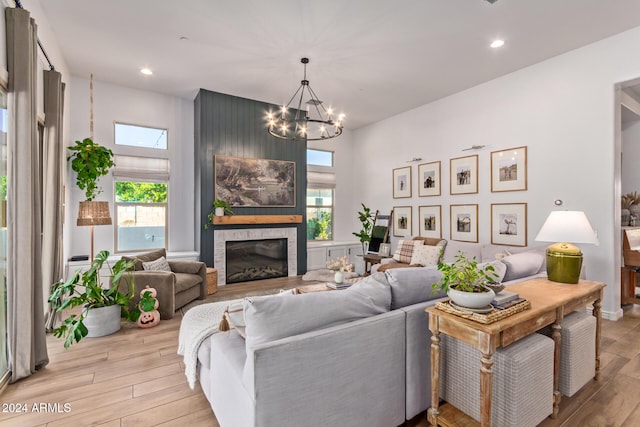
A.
pixel 197 325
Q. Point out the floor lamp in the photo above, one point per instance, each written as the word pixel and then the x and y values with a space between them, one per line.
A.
pixel 93 213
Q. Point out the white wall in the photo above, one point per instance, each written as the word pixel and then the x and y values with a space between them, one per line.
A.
pixel 562 109
pixel 630 157
pixel 113 103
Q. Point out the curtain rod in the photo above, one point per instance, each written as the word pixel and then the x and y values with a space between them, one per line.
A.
pixel 44 52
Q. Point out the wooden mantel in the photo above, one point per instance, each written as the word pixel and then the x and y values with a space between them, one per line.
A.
pixel 257 219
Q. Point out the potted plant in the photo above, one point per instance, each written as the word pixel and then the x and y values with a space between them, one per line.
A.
pixel 101 307
pixel 366 219
pixel 90 161
pixel 220 208
pixel 464 282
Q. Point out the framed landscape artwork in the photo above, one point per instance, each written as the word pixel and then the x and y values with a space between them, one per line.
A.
pixel 464 175
pixel 402 221
pixel 429 179
pixel 509 169
pixel 509 224
pixel 430 221
pixel 243 181
pixel 464 223
pixel 402 182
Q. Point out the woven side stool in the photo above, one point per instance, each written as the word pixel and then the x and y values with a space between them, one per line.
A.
pixel 577 351
pixel 212 280
pixel 522 380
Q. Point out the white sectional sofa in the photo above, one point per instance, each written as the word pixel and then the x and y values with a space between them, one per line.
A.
pixel 357 357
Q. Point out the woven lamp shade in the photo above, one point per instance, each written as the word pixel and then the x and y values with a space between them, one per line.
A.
pixel 94 213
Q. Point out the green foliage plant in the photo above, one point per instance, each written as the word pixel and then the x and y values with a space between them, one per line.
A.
pixel 366 220
pixel 90 161
pixel 85 289
pixel 464 275
pixel 218 203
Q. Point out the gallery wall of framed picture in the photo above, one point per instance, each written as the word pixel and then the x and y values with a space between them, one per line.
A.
pixel 402 220
pixel 430 221
pixel 402 182
pixel 509 224
pixel 508 221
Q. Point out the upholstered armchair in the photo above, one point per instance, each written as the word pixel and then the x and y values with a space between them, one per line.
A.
pixel 187 281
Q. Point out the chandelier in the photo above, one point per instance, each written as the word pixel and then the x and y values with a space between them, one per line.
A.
pixel 312 122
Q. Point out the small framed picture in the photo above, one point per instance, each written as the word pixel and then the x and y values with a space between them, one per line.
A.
pixel 429 179
pixel 402 182
pixel 509 224
pixel 464 223
pixel 402 221
pixel 385 249
pixel 464 175
pixel 509 169
pixel 429 218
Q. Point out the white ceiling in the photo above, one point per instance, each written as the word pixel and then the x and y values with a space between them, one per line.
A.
pixel 371 59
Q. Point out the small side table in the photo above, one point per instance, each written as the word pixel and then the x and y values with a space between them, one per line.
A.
pixel 212 280
pixel 369 260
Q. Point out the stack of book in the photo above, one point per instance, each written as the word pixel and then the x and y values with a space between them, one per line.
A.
pixel 506 299
pixel 343 285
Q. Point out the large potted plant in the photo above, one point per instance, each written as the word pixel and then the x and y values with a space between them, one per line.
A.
pixel 101 307
pixel 464 280
pixel 90 162
pixel 366 220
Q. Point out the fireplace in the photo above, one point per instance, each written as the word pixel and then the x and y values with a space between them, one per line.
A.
pixel 222 238
pixel 248 260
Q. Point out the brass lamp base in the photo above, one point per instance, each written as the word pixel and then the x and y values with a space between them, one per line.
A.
pixel 564 263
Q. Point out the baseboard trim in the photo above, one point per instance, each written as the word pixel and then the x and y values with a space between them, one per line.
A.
pixel 613 315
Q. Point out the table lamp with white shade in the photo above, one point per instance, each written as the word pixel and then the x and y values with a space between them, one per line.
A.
pixel 564 260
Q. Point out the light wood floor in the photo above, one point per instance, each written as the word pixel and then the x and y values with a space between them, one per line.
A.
pixel 135 378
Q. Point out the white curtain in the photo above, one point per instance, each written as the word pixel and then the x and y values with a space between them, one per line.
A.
pixel 53 160
pixel 25 307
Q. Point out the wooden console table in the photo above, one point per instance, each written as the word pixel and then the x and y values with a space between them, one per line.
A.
pixel 549 303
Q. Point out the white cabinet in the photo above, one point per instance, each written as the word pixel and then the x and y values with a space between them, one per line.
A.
pixel 319 253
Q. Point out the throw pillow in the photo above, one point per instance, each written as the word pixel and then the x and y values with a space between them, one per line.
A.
pixel 159 264
pixel 404 251
pixel 522 265
pixel 426 255
pixel 233 316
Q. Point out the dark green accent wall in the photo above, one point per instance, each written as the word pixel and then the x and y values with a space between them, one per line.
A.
pixel 233 126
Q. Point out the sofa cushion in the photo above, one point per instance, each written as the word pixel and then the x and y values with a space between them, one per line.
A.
pixel 499 268
pixel 492 252
pixel 469 249
pixel 522 265
pixel 145 257
pixel 268 319
pixel 186 281
pixel 413 285
pixel 426 255
pixel 159 264
pixel 404 251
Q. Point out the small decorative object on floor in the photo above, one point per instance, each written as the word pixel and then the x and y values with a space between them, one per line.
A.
pixel 148 305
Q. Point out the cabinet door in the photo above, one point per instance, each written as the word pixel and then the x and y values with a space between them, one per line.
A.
pixel 316 258
pixel 336 252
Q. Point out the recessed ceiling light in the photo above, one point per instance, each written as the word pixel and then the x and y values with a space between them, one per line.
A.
pixel 146 71
pixel 497 43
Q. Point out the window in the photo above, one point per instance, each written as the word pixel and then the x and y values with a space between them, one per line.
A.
pixel 140 136
pixel 319 157
pixel 319 214
pixel 141 215
pixel 321 181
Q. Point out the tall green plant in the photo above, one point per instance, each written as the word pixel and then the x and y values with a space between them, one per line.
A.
pixel 366 220
pixel 90 161
pixel 85 289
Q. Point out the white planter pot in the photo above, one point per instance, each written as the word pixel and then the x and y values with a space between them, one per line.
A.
pixel 103 321
pixel 471 299
pixel 219 211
